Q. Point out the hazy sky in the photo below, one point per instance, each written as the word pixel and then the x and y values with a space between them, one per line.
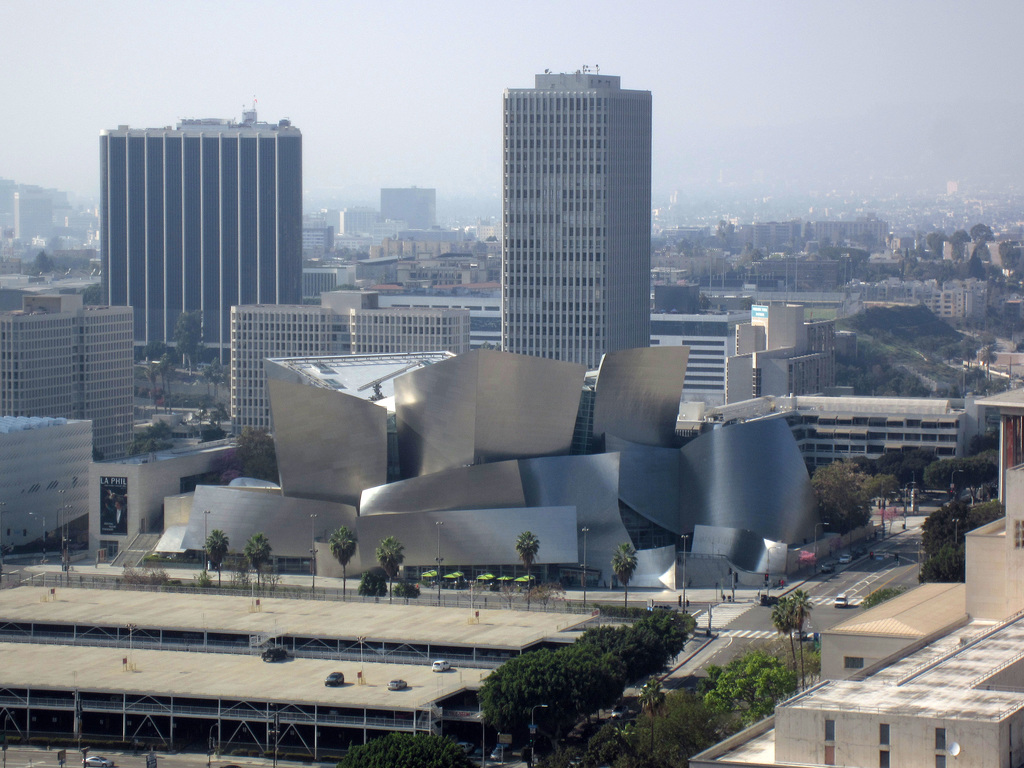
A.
pixel 794 94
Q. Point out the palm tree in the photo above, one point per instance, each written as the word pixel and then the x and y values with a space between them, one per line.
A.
pixel 217 549
pixel 651 698
pixel 390 554
pixel 987 356
pixel 343 547
pixel 527 546
pixel 257 552
pixel 624 565
pixel 782 620
pixel 802 608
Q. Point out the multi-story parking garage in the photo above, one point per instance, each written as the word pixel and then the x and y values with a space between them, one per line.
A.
pixel 172 671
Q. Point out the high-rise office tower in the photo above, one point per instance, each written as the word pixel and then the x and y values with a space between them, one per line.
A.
pixel 416 207
pixel 200 217
pixel 576 204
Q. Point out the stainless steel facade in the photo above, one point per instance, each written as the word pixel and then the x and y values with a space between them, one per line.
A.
pixel 483 440
pixel 485 406
pixel 638 393
pixel 343 460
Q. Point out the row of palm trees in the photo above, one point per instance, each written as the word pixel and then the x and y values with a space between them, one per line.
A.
pixel 789 616
pixel 390 554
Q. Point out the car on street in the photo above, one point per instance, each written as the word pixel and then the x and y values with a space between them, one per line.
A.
pixel 467 746
pixel 769 600
pixel 499 752
pixel 845 559
pixel 828 567
pixel 335 679
pixel 95 761
pixel 841 601
pixel 277 653
pixel 440 665
pixel 397 685
pixel 859 551
pixel 620 712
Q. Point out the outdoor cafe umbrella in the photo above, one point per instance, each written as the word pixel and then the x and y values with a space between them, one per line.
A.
pixel 485 577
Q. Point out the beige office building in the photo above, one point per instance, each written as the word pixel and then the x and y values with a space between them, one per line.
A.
pixel 62 359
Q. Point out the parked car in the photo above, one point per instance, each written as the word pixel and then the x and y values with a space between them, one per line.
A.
pixel 620 712
pixel 95 761
pixel 499 752
pixel 335 679
pixel 277 653
pixel 467 746
pixel 828 567
pixel 440 665
pixel 859 551
pixel 845 559
pixel 397 685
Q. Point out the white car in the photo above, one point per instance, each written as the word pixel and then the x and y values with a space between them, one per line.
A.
pixel 98 762
pixel 440 666
pixel 841 601
pixel 845 559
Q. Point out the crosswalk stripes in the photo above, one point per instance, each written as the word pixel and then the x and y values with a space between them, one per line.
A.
pixel 722 615
pixel 752 634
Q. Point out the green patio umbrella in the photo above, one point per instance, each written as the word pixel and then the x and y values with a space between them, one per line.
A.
pixel 428 574
pixel 485 577
pixel 504 578
pixel 525 578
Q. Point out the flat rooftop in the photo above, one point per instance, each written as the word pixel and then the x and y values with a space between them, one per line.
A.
pixel 381 622
pixel 920 612
pixel 226 676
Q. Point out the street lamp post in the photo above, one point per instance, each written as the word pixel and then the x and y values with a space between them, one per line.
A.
pixel 533 728
pixel 437 574
pixel 312 550
pixel 823 526
pixel 206 538
pixel 585 530
pixel 686 540
pixel 131 631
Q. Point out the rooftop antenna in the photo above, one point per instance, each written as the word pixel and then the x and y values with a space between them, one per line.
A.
pixel 597 68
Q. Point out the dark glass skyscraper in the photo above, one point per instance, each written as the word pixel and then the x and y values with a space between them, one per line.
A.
pixel 200 217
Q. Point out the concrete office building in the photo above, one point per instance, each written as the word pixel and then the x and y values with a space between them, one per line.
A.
pixel 200 218
pixel 576 207
pixel 347 322
pixel 358 221
pixel 484 311
pixel 59 358
pixel 712 341
pixel 44 477
pixel 416 207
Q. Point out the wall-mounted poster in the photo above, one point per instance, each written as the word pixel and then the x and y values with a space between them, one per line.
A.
pixel 114 505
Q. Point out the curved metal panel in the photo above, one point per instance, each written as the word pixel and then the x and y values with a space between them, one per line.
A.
pixel 329 445
pixel 649 481
pixel 655 568
pixel 745 549
pixel 590 485
pixel 748 476
pixel 486 485
pixel 638 393
pixel 241 512
pixel 485 406
pixel 474 536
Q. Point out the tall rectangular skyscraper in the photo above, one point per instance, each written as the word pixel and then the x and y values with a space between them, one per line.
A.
pixel 201 217
pixel 576 204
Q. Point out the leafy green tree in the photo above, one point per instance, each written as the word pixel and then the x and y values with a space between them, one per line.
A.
pixel 215 375
pixel 751 686
pixel 217 545
pixel 401 589
pixel 527 547
pixel 960 239
pixel 943 538
pixel 946 565
pixel 624 564
pixel 982 233
pixel 842 500
pixel 976 470
pixel 881 487
pixel 579 680
pixel 188 337
pixel 93 296
pixel 647 646
pixel 343 548
pixel 257 553
pixel 42 264
pixel 879 596
pixel 390 553
pixel 935 241
pixel 420 750
pixel 254 451
pixel 373 583
pixel 155 350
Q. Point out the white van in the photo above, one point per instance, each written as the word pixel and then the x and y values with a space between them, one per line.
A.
pixel 440 666
pixel 841 601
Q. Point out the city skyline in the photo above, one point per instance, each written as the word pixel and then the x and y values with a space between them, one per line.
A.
pixel 798 96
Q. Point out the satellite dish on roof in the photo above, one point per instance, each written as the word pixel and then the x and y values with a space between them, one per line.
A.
pixel 953 748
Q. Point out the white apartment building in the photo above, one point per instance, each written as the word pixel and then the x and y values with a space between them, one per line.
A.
pixel 347 322
pixel 59 358
pixel 576 207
